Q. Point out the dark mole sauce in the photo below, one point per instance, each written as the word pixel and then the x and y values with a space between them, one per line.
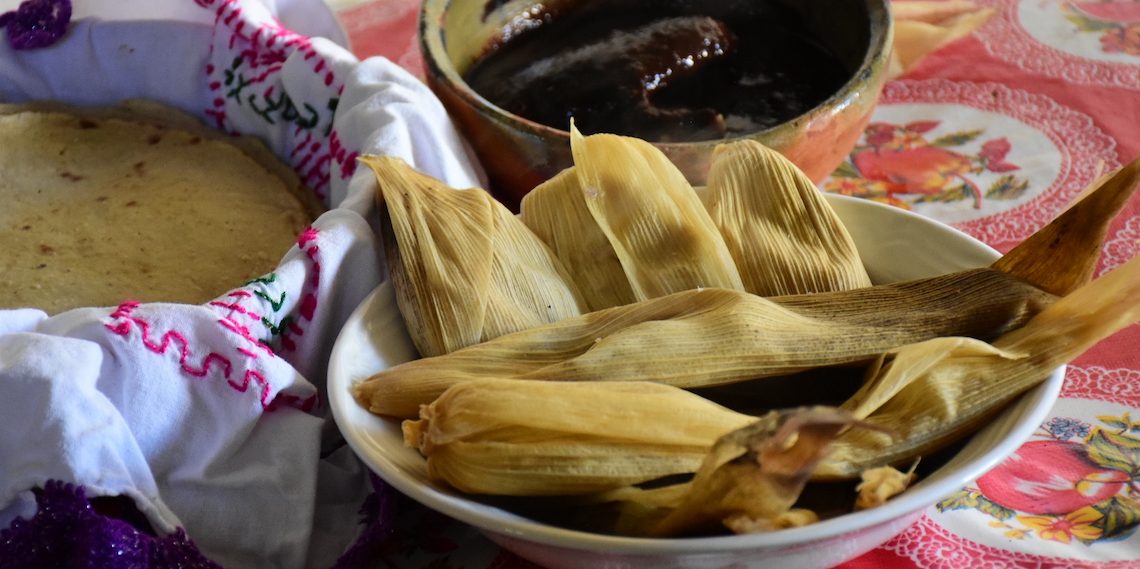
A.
pixel 666 71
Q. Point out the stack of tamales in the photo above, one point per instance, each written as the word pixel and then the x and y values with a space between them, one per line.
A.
pixel 568 350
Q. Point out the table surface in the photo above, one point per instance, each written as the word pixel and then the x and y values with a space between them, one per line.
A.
pixel 1010 124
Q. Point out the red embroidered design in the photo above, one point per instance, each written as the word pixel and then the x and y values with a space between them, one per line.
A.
pixel 124 321
pixel 290 325
pixel 233 326
pixel 308 307
pixel 245 72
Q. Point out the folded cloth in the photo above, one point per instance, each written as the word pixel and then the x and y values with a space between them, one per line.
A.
pixel 210 418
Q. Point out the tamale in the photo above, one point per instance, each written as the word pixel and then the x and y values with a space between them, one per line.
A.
pixel 781 232
pixel 935 392
pixel 463 267
pixel 556 211
pixel 979 303
pixel 540 438
pixel 748 481
pixel 653 218
pixel 709 337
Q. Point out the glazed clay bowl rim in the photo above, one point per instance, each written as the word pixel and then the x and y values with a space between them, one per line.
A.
pixel 878 53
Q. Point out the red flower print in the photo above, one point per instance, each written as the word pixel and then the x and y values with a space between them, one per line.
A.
pixel 880 134
pixel 921 127
pixel 923 170
pixel 993 156
pixel 1050 477
pixel 898 160
pixel 1123 39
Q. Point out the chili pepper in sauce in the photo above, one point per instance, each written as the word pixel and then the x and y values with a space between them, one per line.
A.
pixel 661 71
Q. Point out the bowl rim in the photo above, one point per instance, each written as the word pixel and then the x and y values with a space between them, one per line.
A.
pixel 437 63
pixel 506 523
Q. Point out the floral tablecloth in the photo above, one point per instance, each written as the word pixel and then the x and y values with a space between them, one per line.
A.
pixel 994 134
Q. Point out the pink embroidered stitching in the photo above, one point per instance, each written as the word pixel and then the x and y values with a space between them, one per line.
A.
pixel 308 306
pixel 269 44
pixel 244 332
pixel 252 377
pixel 345 159
pixel 126 320
pixel 237 307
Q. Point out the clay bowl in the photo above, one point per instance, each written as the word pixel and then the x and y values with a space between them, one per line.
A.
pixel 519 153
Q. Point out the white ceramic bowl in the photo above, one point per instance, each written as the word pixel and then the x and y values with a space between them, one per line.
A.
pixel 895 245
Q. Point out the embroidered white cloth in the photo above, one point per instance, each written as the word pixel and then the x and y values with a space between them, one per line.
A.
pixel 211 418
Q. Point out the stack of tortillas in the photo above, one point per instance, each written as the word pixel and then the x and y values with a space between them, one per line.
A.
pixel 138 203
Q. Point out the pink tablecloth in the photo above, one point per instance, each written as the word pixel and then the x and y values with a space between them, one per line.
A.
pixel 994 134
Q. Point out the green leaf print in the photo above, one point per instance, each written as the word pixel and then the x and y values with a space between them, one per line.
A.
pixel 1007 188
pixel 957 138
pixel 995 510
pixel 960 500
pixel 1086 24
pixel 1120 515
pixel 846 170
pixel 955 194
pixel 1114 450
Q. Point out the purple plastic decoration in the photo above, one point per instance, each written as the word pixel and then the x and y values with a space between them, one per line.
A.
pixel 67 532
pixel 36 23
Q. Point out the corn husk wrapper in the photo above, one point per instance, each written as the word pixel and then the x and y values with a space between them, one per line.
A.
pixel 556 211
pixel 747 483
pixel 703 338
pixel 936 392
pixel 925 26
pixel 1062 256
pixel 781 232
pixel 878 485
pixel 464 269
pixel 653 218
pixel 534 438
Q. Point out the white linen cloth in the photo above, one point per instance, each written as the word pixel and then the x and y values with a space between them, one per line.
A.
pixel 211 417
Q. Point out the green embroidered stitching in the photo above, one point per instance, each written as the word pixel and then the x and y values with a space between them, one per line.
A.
pixel 288 111
pixel 276 304
pixel 275 330
pixel 242 83
pixel 282 107
pixel 272 278
pixel 278 329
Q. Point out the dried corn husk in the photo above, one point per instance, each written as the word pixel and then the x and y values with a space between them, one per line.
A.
pixel 924 26
pixel 748 482
pixel 1075 237
pixel 654 220
pixel 938 391
pixel 980 303
pixel 464 269
pixel 779 229
pixel 881 484
pixel 711 337
pixel 540 438
pixel 556 211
